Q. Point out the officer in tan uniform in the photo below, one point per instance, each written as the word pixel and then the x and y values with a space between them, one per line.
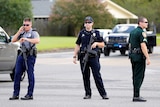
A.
pixel 139 57
pixel 26 60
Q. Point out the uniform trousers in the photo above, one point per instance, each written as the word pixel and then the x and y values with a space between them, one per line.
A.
pixel 138 73
pixel 20 68
pixel 94 65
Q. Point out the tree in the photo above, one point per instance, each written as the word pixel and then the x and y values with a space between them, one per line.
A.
pixel 146 8
pixel 73 12
pixel 13 12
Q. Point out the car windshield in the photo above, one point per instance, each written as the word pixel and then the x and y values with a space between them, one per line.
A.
pixel 123 29
pixel 2 37
pixel 101 34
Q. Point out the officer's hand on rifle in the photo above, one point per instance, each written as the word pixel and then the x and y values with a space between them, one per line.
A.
pixel 22 40
pixel 94 45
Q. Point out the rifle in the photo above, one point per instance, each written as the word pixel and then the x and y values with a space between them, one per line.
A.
pixel 88 52
pixel 24 53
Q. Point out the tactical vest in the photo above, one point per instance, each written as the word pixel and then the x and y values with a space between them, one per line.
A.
pixel 32 50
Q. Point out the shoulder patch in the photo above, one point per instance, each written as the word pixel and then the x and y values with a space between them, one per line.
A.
pixel 144 34
pixel 83 35
pixel 144 40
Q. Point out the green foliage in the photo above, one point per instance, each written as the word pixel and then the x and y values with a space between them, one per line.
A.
pixel 13 12
pixel 147 8
pixel 73 12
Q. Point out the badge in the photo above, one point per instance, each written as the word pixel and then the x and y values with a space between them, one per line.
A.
pixel 94 34
pixel 83 35
pixel 29 35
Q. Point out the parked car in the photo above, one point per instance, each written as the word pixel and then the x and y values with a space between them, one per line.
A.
pixel 104 33
pixel 8 54
pixel 118 39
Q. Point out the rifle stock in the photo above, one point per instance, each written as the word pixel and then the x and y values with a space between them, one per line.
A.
pixel 24 53
pixel 85 60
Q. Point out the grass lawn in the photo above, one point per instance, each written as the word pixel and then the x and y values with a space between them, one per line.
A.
pixel 54 43
pixel 158 39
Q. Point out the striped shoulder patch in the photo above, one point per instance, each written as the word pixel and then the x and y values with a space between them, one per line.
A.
pixel 144 34
pixel 145 37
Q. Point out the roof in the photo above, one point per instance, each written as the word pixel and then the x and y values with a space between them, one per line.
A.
pixel 127 24
pixel 117 11
pixel 42 8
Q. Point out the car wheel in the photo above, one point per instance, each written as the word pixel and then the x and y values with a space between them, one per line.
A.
pixel 106 51
pixel 122 52
pixel 12 75
pixel 101 50
pixel 150 49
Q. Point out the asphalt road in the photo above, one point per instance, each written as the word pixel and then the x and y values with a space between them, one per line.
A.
pixel 59 83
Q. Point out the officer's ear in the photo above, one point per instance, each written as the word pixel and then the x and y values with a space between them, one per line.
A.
pixel 92 23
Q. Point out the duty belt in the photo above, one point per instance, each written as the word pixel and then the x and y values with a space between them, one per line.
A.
pixel 31 52
pixel 136 51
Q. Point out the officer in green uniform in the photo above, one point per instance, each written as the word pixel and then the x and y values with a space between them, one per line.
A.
pixel 139 57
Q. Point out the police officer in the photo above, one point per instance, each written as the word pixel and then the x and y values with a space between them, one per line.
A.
pixel 93 62
pixel 138 54
pixel 27 38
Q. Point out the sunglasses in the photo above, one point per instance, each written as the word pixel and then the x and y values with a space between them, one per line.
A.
pixel 25 24
pixel 88 22
pixel 144 22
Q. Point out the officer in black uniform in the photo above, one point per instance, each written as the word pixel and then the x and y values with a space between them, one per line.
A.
pixel 93 61
pixel 138 54
pixel 28 39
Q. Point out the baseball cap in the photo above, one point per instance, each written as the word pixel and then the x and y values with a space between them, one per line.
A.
pixel 88 18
